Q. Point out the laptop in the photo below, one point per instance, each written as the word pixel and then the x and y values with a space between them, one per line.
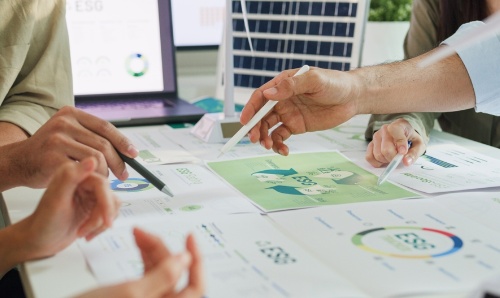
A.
pixel 122 54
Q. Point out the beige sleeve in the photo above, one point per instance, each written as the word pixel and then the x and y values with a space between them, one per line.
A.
pixel 35 66
pixel 421 37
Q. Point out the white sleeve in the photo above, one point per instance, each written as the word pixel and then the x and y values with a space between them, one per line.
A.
pixel 482 61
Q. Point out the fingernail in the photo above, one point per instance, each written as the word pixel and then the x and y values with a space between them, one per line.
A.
pixel 409 158
pixel 262 143
pixel 132 150
pixel 271 91
pixel 185 258
pixel 281 152
pixel 402 149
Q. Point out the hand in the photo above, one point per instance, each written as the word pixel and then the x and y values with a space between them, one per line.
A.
pixel 70 134
pixel 392 139
pixel 162 271
pixel 316 100
pixel 77 203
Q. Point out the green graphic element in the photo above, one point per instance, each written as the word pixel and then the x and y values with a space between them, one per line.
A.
pixel 355 132
pixel 304 180
pixel 148 157
pixel 190 208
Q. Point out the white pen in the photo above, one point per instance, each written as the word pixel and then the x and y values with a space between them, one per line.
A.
pixel 391 167
pixel 255 119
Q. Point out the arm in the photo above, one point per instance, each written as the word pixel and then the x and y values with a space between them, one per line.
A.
pixel 321 99
pixel 69 135
pixel 78 203
pixel 421 37
pixel 35 69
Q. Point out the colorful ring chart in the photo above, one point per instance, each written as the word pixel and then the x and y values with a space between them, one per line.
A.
pixel 137 65
pixel 408 242
pixel 131 185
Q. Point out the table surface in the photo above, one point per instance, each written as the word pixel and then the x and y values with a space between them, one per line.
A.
pixel 66 274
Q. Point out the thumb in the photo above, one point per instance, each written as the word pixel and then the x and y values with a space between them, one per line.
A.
pixel 69 176
pixel 417 149
pixel 164 276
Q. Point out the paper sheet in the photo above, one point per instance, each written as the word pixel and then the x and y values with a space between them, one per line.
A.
pixel 196 190
pixel 447 167
pixel 155 147
pixel 244 256
pixel 304 180
pixel 398 248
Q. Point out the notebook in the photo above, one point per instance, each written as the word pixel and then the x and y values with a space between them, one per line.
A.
pixel 123 62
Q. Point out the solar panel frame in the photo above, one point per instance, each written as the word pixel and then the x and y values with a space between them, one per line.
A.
pixel 290 33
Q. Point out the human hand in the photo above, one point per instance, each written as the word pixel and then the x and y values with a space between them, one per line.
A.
pixel 392 139
pixel 70 134
pixel 162 271
pixel 77 203
pixel 316 100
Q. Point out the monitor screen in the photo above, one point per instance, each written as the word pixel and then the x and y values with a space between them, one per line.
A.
pixel 198 23
pixel 116 46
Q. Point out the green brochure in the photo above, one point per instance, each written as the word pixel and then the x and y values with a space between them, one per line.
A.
pixel 304 180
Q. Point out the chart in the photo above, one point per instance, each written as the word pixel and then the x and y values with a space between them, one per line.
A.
pixel 304 180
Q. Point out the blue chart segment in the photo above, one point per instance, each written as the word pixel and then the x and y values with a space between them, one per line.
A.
pixel 438 162
pixel 131 185
pixel 289 34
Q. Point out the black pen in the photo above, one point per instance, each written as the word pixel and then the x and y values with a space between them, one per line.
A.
pixel 146 174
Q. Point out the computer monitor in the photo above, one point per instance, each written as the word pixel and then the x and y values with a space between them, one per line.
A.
pixel 198 23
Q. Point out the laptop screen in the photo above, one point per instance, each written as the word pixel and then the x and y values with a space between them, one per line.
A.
pixel 121 46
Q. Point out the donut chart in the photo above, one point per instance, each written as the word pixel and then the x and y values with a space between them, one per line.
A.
pixel 131 185
pixel 408 242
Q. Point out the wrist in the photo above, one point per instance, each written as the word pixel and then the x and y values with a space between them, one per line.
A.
pixel 14 248
pixel 11 167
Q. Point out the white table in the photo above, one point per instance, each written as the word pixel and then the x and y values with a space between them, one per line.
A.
pixel 66 274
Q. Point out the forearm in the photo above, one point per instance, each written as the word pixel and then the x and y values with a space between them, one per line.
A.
pixel 12 169
pixel 406 87
pixel 12 248
pixel 11 133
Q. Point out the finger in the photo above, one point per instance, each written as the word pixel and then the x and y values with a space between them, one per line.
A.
pixel 370 158
pixel 387 145
pixel 400 130
pixel 416 150
pixel 68 177
pixel 196 284
pixel 289 86
pixel 257 99
pixel 152 248
pixel 106 149
pixel 104 209
pixel 163 277
pixel 380 149
pixel 78 151
pixel 279 136
pixel 104 129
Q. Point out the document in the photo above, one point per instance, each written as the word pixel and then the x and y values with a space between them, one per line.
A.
pixel 304 180
pixel 348 136
pixel 196 190
pixel 481 207
pixel 447 168
pixel 210 151
pixel 244 256
pixel 155 147
pixel 398 248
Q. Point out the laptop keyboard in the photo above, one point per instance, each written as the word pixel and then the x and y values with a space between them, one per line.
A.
pixel 117 106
